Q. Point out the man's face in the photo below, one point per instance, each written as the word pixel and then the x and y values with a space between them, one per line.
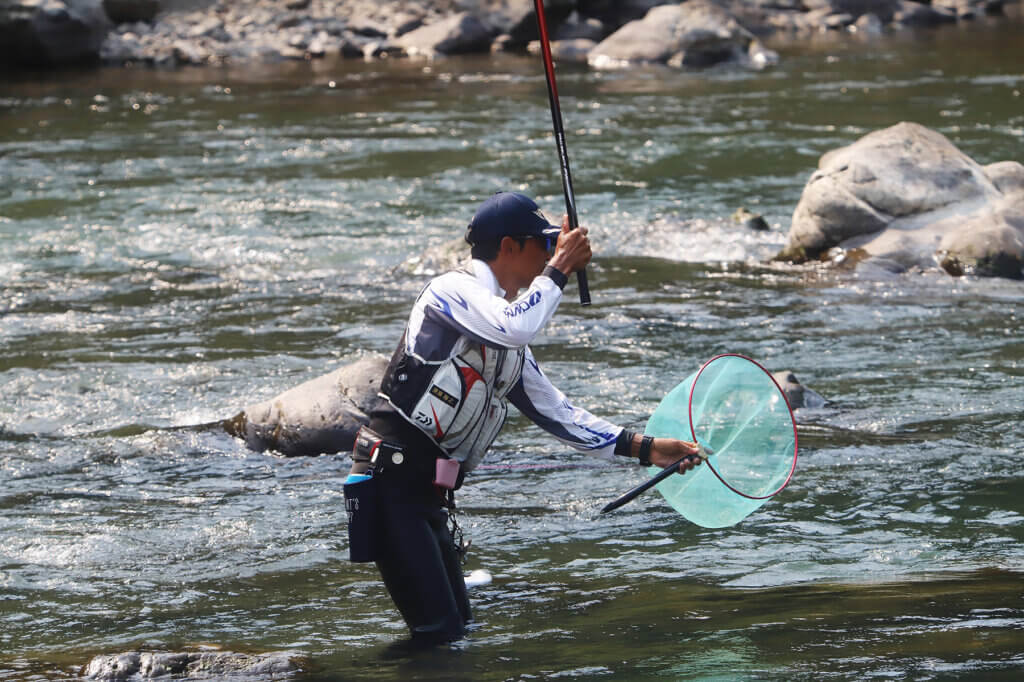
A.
pixel 527 257
pixel 535 257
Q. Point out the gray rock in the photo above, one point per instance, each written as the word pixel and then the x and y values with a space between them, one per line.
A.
pixel 868 25
pixel 576 50
pixel 1007 176
pixel 883 9
pixel 917 14
pixel 517 19
pixel 459 34
pixel 967 9
pixel 578 28
pixel 382 49
pixel 121 48
pixel 350 48
pixel 217 665
pixel 835 22
pixel 990 243
pixel 797 395
pixel 907 196
pixel 187 52
pixel 318 417
pixel 697 33
pixel 749 220
pixel 52 32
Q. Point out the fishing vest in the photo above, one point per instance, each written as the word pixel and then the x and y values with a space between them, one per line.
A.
pixel 460 403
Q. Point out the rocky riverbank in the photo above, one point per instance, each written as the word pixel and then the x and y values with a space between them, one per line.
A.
pixel 605 33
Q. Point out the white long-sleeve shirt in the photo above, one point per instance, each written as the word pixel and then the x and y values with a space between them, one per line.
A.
pixel 465 353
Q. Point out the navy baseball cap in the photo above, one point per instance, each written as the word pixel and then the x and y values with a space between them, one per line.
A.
pixel 509 214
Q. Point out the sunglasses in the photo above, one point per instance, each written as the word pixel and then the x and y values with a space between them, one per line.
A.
pixel 547 242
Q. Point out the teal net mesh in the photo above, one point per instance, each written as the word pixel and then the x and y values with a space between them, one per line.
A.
pixel 733 407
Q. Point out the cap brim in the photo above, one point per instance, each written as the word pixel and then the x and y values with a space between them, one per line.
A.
pixel 551 231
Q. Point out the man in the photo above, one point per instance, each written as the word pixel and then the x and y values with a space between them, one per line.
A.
pixel 463 356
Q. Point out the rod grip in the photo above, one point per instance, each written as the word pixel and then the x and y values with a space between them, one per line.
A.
pixel 581 281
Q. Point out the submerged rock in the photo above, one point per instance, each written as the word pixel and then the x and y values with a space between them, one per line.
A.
pixel 798 395
pixel 905 196
pixel 318 417
pixel 207 665
pixel 750 220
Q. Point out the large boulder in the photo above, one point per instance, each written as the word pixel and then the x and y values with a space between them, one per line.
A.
pixel 458 34
pixel 518 20
pixel 905 196
pixel 46 33
pixel 697 33
pixel 318 417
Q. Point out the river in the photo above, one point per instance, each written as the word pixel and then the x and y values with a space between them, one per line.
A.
pixel 175 245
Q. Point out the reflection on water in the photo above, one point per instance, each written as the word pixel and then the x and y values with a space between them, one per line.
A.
pixel 175 245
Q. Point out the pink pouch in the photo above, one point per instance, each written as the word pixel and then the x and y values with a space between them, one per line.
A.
pixel 446 473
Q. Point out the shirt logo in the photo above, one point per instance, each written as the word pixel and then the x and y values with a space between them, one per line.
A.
pixel 517 309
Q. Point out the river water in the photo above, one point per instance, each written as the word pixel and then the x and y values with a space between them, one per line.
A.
pixel 176 245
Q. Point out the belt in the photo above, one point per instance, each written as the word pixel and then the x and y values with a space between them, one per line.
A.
pixel 371 451
pixel 380 454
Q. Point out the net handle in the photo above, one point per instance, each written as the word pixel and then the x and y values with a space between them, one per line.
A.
pixel 792 466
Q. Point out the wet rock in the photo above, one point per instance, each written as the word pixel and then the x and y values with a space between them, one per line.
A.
pixel 320 416
pixel 749 220
pixel 988 244
pixel 576 50
pixel 209 665
pixel 907 196
pixel 697 33
pixel 459 34
pixel 798 395
pixel 40 33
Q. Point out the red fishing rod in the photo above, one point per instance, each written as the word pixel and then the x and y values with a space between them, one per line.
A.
pixel 563 153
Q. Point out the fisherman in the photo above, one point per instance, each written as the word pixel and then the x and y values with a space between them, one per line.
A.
pixel 463 356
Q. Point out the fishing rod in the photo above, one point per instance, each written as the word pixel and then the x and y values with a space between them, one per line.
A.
pixel 563 153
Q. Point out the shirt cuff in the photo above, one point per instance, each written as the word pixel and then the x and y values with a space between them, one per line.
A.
pixel 556 275
pixel 624 443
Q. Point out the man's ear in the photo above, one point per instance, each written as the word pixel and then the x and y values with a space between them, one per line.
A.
pixel 509 245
